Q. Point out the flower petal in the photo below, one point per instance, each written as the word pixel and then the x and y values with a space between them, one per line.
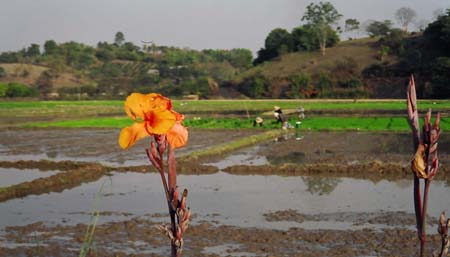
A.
pixel 129 135
pixel 178 116
pixel 138 105
pixel 134 106
pixel 177 136
pixel 159 122
pixel 155 103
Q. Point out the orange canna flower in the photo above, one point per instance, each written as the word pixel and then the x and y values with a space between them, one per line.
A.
pixel 153 115
pixel 177 136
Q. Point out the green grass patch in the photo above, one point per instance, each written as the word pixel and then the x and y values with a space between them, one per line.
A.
pixel 30 108
pixel 237 144
pixel 315 123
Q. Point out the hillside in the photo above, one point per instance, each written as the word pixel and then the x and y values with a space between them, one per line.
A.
pixel 112 70
pixel 210 73
pixel 363 51
pixel 376 67
pixel 343 64
pixel 29 74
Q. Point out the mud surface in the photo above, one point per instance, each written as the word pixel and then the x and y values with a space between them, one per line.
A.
pixel 357 218
pixel 302 194
pixel 95 145
pixel 138 237
pixel 346 148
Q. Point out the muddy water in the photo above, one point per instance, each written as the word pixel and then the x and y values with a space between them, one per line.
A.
pixel 11 176
pixel 229 200
pixel 234 215
pixel 346 148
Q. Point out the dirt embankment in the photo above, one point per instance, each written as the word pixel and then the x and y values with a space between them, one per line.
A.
pixel 56 183
pixel 374 171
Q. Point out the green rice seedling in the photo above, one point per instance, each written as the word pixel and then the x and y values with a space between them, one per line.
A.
pixel 95 214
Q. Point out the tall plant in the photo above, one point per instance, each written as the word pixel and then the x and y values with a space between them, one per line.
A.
pixel 425 162
pixel 153 116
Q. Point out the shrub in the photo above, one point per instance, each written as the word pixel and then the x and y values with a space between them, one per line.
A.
pixel 299 83
pixel 324 82
pixel 255 86
pixel 19 90
pixel 374 70
pixel 8 57
pixel 3 88
pixel 351 83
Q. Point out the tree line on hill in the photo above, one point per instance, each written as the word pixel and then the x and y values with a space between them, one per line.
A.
pixel 113 70
pixel 424 53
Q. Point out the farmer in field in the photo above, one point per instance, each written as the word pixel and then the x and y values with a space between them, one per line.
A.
pixel 280 117
pixel 258 122
pixel 301 112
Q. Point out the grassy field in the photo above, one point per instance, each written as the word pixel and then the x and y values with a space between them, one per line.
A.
pixel 46 107
pixel 76 114
pixel 396 124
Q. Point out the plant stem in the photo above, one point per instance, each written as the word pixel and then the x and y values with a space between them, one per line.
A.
pixel 172 177
pixel 423 238
pixel 172 174
pixel 161 172
pixel 418 206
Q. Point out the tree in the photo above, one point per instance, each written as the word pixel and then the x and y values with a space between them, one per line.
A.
pixel 50 47
pixel 2 72
pixel 263 55
pixel 240 58
pixel 438 34
pixel 321 17
pixel 405 16
pixel 119 38
pixel 441 77
pixel 44 83
pixel 86 58
pixel 351 24
pixel 279 41
pixel 9 57
pixel 33 51
pixel 378 28
pixel 306 38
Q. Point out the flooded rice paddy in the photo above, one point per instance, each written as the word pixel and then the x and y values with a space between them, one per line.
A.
pixel 301 194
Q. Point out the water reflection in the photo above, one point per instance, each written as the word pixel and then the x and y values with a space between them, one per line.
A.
pixel 292 157
pixel 226 199
pixel 52 154
pixel 321 185
pixel 12 176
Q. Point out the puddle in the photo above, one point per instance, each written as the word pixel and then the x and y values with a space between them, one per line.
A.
pixel 11 176
pixel 348 148
pixel 247 156
pixel 227 199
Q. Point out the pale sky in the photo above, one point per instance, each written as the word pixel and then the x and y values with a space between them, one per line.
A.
pixel 196 24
